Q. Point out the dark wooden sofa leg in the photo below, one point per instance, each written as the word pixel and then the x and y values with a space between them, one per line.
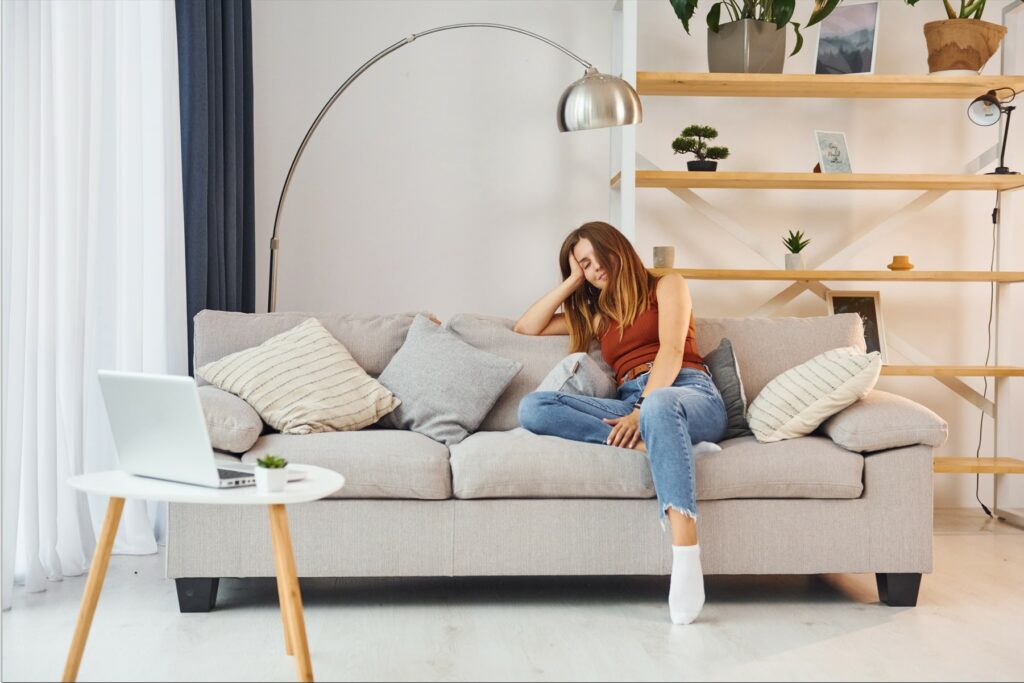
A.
pixel 196 595
pixel 898 590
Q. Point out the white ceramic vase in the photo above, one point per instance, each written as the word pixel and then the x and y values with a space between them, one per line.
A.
pixel 271 479
pixel 795 262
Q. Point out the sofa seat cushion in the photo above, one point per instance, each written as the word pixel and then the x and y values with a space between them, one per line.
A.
pixel 376 463
pixel 804 467
pixel 520 464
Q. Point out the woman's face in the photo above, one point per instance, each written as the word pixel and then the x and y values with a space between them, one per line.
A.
pixel 593 271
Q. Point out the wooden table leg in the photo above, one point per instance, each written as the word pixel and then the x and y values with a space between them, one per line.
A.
pixel 285 559
pixel 97 571
pixel 282 592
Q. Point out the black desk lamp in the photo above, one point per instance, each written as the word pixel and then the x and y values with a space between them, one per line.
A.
pixel 986 111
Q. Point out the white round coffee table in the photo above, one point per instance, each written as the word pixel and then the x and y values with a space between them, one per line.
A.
pixel 319 483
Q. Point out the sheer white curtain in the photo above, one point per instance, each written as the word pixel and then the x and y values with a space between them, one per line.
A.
pixel 93 260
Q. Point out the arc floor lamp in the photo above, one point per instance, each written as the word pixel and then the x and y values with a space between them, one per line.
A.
pixel 595 101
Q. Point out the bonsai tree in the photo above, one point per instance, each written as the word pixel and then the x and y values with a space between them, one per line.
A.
pixel 272 462
pixel 778 12
pixel 969 9
pixel 693 141
pixel 795 242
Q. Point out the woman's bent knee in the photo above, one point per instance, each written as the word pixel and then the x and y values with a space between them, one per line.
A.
pixel 532 407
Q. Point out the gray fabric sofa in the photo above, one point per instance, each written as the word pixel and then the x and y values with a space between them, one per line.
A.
pixel 505 501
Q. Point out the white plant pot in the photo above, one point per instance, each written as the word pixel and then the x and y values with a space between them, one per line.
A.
pixel 271 480
pixel 795 262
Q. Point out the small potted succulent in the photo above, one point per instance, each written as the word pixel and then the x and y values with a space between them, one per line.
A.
pixel 693 140
pixel 271 473
pixel 962 43
pixel 795 243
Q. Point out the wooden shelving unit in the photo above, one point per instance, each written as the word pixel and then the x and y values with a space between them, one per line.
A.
pixel 852 86
pixel 823 181
pixel 921 86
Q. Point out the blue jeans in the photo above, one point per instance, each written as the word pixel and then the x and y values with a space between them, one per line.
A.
pixel 672 419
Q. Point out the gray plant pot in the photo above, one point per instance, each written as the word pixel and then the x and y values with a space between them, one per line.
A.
pixel 747 46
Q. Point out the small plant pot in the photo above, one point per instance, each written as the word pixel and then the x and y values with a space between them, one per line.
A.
pixel 698 165
pixel 961 46
pixel 271 480
pixel 795 262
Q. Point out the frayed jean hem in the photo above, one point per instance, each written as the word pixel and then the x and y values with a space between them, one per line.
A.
pixel 663 514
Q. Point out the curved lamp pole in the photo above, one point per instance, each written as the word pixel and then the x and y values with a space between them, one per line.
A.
pixel 595 101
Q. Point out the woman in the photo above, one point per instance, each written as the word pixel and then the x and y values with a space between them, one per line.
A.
pixel 666 399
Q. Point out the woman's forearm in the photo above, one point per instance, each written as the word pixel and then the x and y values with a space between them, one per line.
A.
pixel 667 364
pixel 540 313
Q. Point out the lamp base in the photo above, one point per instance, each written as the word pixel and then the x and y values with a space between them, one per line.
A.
pixel 1003 170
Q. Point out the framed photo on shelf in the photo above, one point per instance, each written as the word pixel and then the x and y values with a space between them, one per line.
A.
pixel 869 307
pixel 847 40
pixel 833 156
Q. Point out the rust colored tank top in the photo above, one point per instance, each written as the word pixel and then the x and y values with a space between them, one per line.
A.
pixel 640 343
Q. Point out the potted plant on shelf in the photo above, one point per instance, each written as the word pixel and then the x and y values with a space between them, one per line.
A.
pixel 271 473
pixel 755 40
pixel 693 140
pixel 963 43
pixel 795 243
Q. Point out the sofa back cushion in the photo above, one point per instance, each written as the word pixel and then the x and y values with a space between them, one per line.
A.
pixel 767 347
pixel 764 348
pixel 539 355
pixel 371 339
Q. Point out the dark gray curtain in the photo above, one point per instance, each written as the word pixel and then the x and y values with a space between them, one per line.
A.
pixel 215 85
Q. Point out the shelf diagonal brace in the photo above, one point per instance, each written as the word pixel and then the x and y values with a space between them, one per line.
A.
pixel 770 307
pixel 719 218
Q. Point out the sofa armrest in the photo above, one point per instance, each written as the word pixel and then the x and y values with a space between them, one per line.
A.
pixel 881 421
pixel 233 424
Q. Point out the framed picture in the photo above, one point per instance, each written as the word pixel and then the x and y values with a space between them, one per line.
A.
pixel 847 40
pixel 833 157
pixel 866 304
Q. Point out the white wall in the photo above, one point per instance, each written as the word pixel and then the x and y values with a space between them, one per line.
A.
pixel 439 180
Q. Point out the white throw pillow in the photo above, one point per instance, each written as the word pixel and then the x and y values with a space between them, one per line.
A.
pixel 801 398
pixel 303 381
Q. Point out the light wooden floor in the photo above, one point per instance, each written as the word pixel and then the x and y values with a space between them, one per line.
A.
pixel 967 626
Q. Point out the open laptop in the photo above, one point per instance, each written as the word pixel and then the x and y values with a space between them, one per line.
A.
pixel 160 431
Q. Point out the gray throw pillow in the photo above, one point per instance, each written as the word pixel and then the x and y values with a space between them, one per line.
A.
pixel 579 374
pixel 881 420
pixel 446 386
pixel 725 373
pixel 233 424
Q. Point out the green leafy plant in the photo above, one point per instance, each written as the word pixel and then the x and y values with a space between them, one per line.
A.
pixel 778 12
pixel 969 9
pixel 693 141
pixel 272 462
pixel 795 242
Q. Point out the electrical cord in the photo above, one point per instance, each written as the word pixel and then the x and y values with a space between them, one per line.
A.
pixel 988 352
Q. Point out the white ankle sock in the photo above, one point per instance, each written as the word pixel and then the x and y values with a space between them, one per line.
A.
pixel 702 447
pixel 686 590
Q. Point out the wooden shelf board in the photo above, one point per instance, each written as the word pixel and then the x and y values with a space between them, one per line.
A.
pixel 844 275
pixel 823 181
pixel 852 86
pixel 970 465
pixel 953 370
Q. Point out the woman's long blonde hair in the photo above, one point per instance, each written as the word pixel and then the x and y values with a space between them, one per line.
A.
pixel 629 285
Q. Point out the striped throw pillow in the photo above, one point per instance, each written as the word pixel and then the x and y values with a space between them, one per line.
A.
pixel 303 381
pixel 797 401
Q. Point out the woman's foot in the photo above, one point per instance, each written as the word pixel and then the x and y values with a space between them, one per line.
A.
pixel 686 590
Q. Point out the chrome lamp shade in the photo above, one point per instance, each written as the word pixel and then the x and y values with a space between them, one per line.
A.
pixel 598 101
